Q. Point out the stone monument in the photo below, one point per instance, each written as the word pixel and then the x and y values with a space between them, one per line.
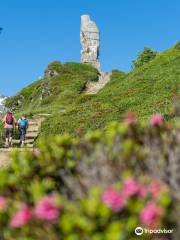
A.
pixel 90 42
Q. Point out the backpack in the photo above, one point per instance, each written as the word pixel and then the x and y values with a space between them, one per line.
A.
pixel 23 123
pixel 9 119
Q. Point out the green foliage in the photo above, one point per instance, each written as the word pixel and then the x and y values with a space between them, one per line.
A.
pixel 77 172
pixel 144 57
pixel 1 134
pixel 145 90
pixel 118 74
pixel 64 88
pixel 55 66
pixel 177 45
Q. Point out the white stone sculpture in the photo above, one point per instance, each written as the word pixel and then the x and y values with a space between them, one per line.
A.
pixel 90 42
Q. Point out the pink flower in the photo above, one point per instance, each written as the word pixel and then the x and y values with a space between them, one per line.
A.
pixel 47 209
pixel 151 214
pixel 113 199
pixel 131 187
pixel 155 188
pixel 156 120
pixel 130 118
pixel 3 202
pixel 22 217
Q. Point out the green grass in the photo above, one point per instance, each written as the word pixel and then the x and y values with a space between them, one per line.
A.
pixel 145 90
pixel 64 89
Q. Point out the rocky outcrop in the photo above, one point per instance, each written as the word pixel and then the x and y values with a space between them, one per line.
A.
pixel 45 90
pixel 48 73
pixel 20 100
pixel 90 42
pixel 15 102
pixel 53 69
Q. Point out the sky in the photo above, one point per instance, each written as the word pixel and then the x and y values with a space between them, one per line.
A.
pixel 37 32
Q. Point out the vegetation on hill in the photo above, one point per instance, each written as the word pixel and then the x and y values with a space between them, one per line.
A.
pixel 55 93
pixel 145 90
pixel 146 56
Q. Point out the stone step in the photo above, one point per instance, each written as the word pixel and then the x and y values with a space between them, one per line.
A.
pixel 33 129
pixel 32 132
pixel 33 123
pixel 31 135
pixel 8 150
pixel 95 87
pixel 4 150
pixel 29 145
pixel 33 126
pixel 28 141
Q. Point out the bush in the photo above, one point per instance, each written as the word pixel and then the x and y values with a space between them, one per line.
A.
pixel 118 74
pixel 55 66
pixel 144 57
pixel 112 214
pixel 90 187
pixel 177 45
pixel 1 135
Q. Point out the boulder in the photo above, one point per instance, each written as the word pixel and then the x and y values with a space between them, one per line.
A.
pixel 48 73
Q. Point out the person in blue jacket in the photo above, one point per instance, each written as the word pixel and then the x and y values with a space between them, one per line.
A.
pixel 23 125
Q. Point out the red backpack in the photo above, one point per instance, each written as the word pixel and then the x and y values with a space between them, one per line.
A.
pixel 9 119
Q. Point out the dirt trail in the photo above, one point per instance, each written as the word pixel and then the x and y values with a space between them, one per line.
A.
pixel 32 134
pixel 95 87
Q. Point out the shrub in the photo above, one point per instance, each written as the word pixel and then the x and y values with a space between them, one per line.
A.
pixel 110 214
pixel 1 135
pixel 55 66
pixel 144 57
pixel 118 74
pixel 99 186
pixel 177 45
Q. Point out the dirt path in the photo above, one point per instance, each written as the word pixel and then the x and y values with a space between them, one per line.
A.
pixel 32 134
pixel 95 87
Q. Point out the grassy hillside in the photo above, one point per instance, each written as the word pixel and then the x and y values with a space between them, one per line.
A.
pixel 63 89
pixel 145 90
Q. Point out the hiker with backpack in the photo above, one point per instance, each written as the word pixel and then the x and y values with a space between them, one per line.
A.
pixel 22 125
pixel 9 122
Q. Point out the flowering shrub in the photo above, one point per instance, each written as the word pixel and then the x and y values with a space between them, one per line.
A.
pixel 151 214
pixel 3 202
pixel 21 217
pixel 114 212
pixel 46 209
pixel 156 120
pixel 99 187
pixel 114 199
